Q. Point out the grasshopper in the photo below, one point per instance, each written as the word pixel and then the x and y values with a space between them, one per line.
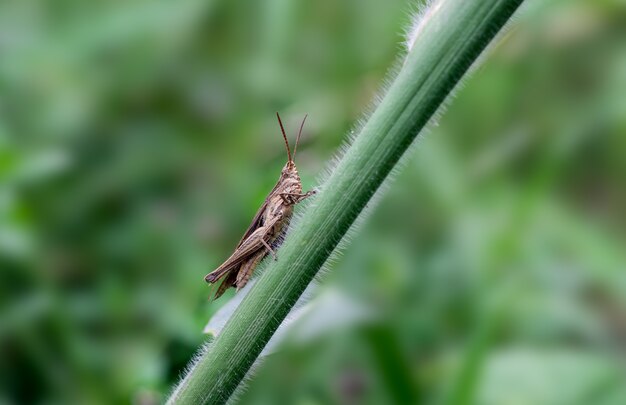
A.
pixel 264 234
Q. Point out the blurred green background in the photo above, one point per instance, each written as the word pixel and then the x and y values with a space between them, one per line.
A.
pixel 137 139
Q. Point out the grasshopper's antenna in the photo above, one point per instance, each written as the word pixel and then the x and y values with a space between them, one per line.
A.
pixel 298 138
pixel 284 137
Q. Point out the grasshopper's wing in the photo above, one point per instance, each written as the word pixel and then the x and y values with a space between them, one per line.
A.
pixel 228 282
pixel 257 221
pixel 248 247
pixel 241 253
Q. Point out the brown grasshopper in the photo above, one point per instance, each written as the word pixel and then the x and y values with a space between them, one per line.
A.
pixel 265 232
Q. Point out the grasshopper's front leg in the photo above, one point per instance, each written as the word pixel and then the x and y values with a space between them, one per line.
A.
pixel 294 198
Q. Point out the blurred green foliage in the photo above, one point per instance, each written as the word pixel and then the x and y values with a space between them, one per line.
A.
pixel 137 139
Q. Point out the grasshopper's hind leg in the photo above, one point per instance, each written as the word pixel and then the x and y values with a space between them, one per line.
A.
pixel 246 270
pixel 229 281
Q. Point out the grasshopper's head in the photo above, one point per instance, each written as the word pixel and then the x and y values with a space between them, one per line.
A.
pixel 290 179
pixel 290 171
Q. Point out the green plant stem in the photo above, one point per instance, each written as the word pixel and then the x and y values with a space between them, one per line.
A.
pixel 452 36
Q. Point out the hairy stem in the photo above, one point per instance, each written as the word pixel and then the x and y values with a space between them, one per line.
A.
pixel 451 35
